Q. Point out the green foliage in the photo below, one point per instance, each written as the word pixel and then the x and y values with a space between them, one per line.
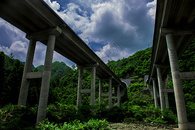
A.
pixel 115 114
pixel 92 124
pixel 137 64
pixel 58 70
pixel 15 116
pixel 11 73
pixel 60 113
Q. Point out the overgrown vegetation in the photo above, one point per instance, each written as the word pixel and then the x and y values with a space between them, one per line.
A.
pixel 62 113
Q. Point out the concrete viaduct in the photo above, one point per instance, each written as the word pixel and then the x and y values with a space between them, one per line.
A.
pixel 174 31
pixel 41 23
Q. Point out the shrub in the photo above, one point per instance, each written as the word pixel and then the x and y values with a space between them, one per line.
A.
pixel 60 113
pixel 115 114
pixel 92 124
pixel 15 116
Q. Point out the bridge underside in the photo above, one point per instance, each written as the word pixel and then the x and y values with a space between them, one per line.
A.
pixel 41 23
pixel 174 31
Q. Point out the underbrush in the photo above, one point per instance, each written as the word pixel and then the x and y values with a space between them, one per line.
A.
pixel 92 124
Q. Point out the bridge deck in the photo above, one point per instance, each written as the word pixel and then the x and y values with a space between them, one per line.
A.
pixel 35 16
pixel 172 16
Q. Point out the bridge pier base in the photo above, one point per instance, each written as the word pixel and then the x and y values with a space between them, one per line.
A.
pixel 155 93
pixel 43 99
pixel 160 84
pixel 177 86
pixel 27 68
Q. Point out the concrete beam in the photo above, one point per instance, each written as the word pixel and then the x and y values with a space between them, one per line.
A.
pixel 43 35
pixel 34 75
pixel 168 90
pixel 187 75
pixel 114 97
pixel 85 90
pixel 178 31
pixel 104 95
pixel 88 65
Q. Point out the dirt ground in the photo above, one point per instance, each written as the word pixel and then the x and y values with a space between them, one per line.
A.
pixel 140 126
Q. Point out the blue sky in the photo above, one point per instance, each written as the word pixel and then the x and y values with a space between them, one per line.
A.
pixel 113 29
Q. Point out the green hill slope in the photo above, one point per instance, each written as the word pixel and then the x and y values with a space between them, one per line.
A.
pixel 58 69
pixel 136 65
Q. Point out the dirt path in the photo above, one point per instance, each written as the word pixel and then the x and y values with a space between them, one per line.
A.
pixel 140 126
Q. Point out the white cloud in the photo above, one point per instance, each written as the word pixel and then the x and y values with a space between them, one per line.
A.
pixel 54 5
pixel 14 33
pixel 18 48
pixel 152 8
pixel 110 52
pixel 129 22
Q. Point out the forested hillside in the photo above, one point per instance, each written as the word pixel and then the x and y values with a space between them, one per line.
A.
pixel 136 65
pixel 135 106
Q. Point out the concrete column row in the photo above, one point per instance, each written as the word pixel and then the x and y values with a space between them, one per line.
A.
pixel 91 91
pixel 41 114
pixel 109 95
pixel 177 86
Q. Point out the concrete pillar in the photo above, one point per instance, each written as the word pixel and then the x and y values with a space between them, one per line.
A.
pixel 160 84
pixel 27 68
pixel 100 91
pixel 118 96
pixel 155 93
pixel 166 97
pixel 178 90
pixel 110 93
pixel 80 78
pixel 43 99
pixel 93 74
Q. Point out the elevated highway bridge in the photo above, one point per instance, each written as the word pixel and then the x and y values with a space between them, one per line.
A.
pixel 174 31
pixel 41 23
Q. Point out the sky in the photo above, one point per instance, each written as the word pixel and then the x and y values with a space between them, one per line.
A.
pixel 113 29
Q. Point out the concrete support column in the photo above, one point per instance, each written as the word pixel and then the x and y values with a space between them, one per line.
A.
pixel 80 78
pixel 166 97
pixel 160 84
pixel 100 91
pixel 118 96
pixel 178 90
pixel 27 68
pixel 93 75
pixel 155 93
pixel 46 79
pixel 110 93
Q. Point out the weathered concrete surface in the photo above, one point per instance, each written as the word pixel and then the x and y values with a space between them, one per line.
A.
pixel 155 93
pixel 27 68
pixel 43 99
pixel 177 85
